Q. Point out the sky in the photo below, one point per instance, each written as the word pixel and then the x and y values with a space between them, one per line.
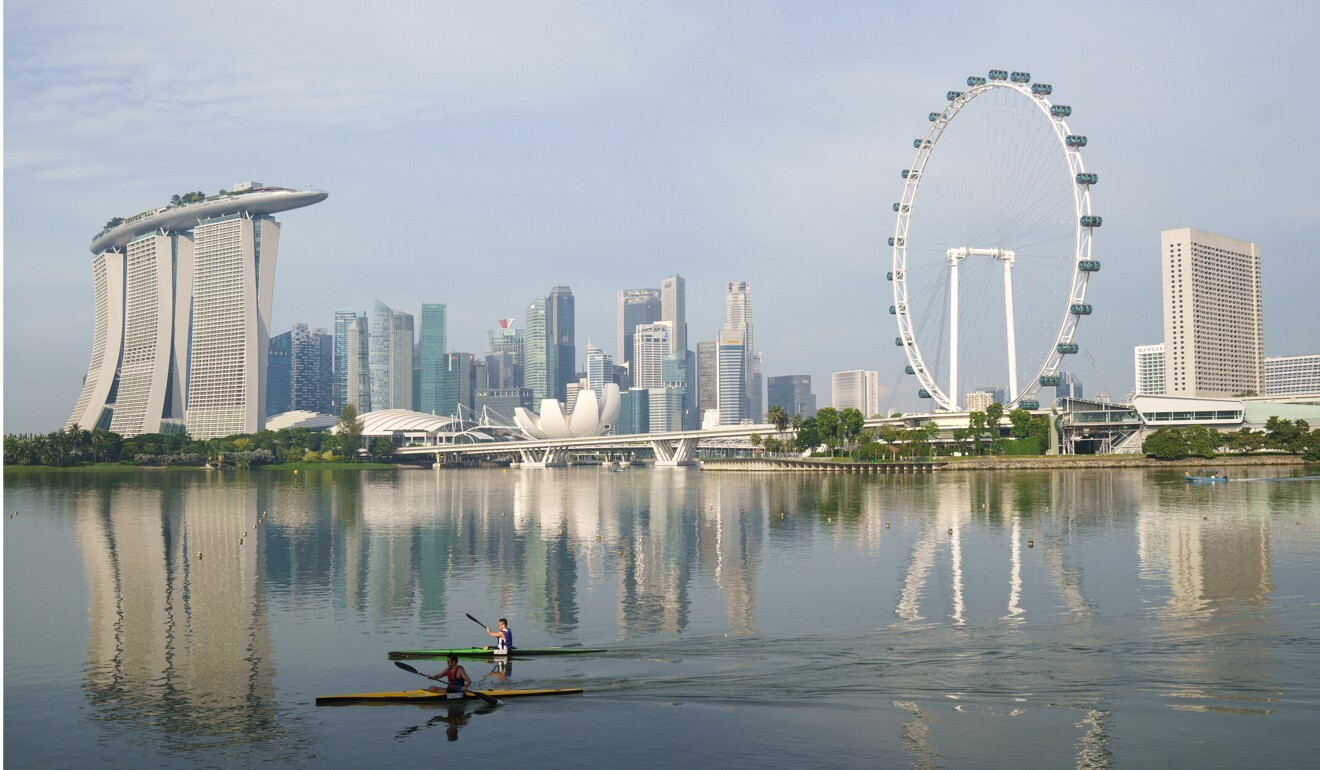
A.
pixel 478 154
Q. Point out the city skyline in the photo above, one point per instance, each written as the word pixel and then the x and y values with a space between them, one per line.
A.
pixel 652 155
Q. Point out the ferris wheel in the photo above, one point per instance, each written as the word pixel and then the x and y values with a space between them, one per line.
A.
pixel 1007 193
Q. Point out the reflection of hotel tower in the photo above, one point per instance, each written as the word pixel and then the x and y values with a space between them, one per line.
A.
pixel 1204 563
pixel 732 547
pixel 175 639
pixel 183 303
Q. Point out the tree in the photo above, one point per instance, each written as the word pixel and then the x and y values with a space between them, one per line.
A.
pixel 851 423
pixel 756 439
pixel 808 435
pixel 350 431
pixel 993 414
pixel 778 416
pixel 382 447
pixel 1165 444
pixel 827 425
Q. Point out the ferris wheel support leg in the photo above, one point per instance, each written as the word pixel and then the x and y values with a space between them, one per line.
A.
pixel 1012 340
pixel 953 331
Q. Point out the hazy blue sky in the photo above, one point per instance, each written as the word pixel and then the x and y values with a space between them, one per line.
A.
pixel 479 153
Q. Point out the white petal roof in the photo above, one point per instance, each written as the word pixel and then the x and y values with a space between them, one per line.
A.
pixel 591 417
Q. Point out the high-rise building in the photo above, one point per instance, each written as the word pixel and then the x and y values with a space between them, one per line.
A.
pixel 183 301
pixel 635 308
pixel 634 412
pixel 433 343
pixel 1149 360
pixel 979 400
pixel 279 374
pixel 708 386
pixel 857 389
pixel 651 343
pixel 1214 341
pixel 310 370
pixel 509 341
pixel 665 407
pixel 540 356
pixel 391 358
pixel 1070 386
pixel 737 330
pixel 339 394
pixel 673 308
pixel 502 401
pixel 732 377
pixel 358 364
pixel 1292 375
pixel 560 316
pixel 457 384
pixel 600 371
pixel 756 389
pixel 792 393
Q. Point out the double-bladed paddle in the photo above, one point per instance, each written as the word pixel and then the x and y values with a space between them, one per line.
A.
pixel 489 700
pixel 483 625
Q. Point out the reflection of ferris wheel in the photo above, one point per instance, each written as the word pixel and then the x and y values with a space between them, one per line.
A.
pixel 1009 194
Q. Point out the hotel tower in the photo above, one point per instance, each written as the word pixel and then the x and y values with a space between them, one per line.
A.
pixel 183 302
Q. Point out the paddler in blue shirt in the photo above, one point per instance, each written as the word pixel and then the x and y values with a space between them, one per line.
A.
pixel 504 645
pixel 456 678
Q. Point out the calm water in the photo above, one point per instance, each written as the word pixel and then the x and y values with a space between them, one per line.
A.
pixel 1082 619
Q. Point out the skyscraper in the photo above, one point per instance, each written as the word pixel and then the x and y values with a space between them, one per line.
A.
pixel 1070 386
pixel 732 376
pixel 1149 364
pixel 857 389
pixel 540 356
pixel 434 343
pixel 792 393
pixel 279 374
pixel 1214 341
pixel 339 394
pixel 391 358
pixel 560 324
pixel 358 366
pixel 182 321
pixel 310 358
pixel 600 370
pixel 635 307
pixel 673 308
pixel 737 331
pixel 1292 375
pixel 651 344
pixel 708 386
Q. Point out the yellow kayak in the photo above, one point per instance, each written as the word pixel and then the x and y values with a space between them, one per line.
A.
pixel 427 696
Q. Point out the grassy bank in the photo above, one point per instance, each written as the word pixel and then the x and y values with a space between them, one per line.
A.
pixel 20 470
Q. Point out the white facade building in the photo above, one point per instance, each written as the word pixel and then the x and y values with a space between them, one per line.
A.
pixel 1214 340
pixel 857 389
pixel 1292 375
pixel 979 400
pixel 1150 369
pixel 650 346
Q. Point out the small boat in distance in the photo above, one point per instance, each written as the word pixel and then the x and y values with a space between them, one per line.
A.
pixel 1205 477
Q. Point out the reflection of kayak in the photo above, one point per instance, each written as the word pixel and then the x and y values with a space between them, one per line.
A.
pixel 483 652
pixel 426 696
pixel 1204 479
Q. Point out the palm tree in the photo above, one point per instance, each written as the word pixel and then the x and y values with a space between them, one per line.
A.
pixel 778 416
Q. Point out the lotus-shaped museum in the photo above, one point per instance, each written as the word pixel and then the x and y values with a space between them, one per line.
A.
pixel 591 416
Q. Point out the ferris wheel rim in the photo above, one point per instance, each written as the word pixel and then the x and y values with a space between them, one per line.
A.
pixel 1082 237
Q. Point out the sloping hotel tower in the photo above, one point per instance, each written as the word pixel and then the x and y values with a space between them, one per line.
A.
pixel 183 303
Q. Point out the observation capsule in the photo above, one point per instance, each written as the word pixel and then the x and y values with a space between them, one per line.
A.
pixel 917 144
pixel 975 80
pixel 1049 380
pixel 1089 265
pixel 1060 110
pixel 934 116
pixel 1074 140
pixel 923 393
pixel 953 95
pixel 1030 406
pixel 1092 221
pixel 1087 178
pixel 889 276
pixel 898 342
pixel 1020 77
pixel 909 370
pixel 893 310
pixel 908 174
pixel 1065 348
pixel 1081 309
pixel 999 74
pixel 1042 89
pixel 902 208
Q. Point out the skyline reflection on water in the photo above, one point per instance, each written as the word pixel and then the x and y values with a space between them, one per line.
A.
pixel 923 620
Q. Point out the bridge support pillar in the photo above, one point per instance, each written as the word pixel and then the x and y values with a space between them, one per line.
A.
pixel 550 457
pixel 674 453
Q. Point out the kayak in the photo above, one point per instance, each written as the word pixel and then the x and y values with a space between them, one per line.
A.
pixel 484 652
pixel 1204 479
pixel 426 696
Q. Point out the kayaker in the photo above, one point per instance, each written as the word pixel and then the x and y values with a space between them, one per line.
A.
pixel 504 645
pixel 457 680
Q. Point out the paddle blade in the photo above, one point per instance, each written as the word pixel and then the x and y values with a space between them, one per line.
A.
pixel 488 699
pixel 474 620
pixel 408 668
